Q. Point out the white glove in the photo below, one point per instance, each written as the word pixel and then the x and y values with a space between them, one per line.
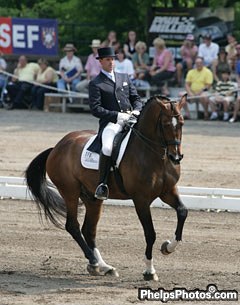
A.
pixel 135 112
pixel 122 118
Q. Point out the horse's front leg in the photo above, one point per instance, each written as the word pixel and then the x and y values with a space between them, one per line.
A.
pixel 172 198
pixel 89 230
pixel 145 217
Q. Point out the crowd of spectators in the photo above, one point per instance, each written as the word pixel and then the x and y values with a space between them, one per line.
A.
pixel 209 73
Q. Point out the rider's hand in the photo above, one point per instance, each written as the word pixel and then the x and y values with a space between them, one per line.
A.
pixel 122 117
pixel 135 112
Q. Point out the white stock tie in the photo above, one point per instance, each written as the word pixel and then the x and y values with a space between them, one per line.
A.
pixel 111 77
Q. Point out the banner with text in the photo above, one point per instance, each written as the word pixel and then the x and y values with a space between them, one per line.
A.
pixel 28 36
pixel 173 25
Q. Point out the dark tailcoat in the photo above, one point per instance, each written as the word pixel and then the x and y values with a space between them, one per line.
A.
pixel 108 98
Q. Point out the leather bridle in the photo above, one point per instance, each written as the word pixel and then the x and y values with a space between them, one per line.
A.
pixel 163 142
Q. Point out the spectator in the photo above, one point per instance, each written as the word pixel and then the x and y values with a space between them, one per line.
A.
pixel 208 50
pixel 70 68
pixel 198 82
pixel 163 67
pixel 236 110
pixel 124 65
pixel 141 60
pixel 188 52
pixel 237 66
pixel 225 94
pixel 129 46
pixel 111 41
pixel 92 66
pixel 231 50
pixel 20 87
pixel 220 64
pixel 237 104
pixel 3 67
pixel 46 76
pixel 3 78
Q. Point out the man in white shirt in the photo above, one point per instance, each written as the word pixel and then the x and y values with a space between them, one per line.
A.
pixel 208 50
pixel 70 68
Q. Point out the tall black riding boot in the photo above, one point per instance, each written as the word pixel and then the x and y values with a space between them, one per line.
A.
pixel 102 191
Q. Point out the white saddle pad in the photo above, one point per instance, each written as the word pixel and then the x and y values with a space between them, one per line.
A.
pixel 90 159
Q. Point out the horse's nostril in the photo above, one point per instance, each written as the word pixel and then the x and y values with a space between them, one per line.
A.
pixel 176 159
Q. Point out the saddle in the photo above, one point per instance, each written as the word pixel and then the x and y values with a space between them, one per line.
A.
pixel 90 159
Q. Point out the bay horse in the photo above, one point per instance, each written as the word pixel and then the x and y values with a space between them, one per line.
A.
pixel 150 168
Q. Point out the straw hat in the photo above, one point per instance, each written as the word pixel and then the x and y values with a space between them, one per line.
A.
pixel 69 47
pixel 96 43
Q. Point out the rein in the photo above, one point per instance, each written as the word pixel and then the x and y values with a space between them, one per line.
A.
pixel 147 142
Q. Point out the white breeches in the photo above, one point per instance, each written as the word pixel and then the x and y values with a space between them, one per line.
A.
pixel 108 135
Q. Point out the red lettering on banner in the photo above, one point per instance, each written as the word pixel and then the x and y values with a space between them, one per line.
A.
pixel 6 35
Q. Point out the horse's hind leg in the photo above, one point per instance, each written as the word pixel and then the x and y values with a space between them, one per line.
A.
pixel 73 228
pixel 89 230
pixel 173 199
pixel 145 217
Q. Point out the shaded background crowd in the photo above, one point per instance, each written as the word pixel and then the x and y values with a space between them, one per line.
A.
pixel 206 71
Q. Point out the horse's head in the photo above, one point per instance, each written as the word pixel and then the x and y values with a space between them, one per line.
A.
pixel 161 124
pixel 170 124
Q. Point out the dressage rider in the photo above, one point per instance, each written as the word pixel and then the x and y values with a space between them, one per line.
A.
pixel 112 99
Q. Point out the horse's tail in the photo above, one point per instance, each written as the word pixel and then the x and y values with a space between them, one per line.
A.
pixel 46 198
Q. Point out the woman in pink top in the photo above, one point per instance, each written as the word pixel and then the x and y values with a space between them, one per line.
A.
pixel 188 52
pixel 163 67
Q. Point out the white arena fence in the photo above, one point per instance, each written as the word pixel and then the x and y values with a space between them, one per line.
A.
pixel 75 94
pixel 198 198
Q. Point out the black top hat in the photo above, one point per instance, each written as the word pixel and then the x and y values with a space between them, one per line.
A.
pixel 106 52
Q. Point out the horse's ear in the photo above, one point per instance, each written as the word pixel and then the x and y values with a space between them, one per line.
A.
pixel 183 101
pixel 161 102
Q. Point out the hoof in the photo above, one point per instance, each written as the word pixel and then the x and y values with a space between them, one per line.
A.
pixel 112 272
pixel 150 277
pixel 93 270
pixel 164 249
